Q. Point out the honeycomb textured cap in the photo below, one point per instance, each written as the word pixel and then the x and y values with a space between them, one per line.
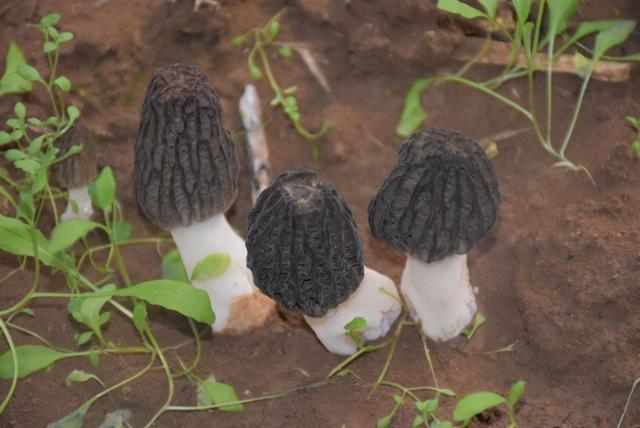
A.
pixel 186 164
pixel 77 170
pixel 439 199
pixel 302 244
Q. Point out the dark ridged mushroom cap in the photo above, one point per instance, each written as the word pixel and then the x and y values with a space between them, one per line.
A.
pixel 186 164
pixel 77 170
pixel 439 199
pixel 302 244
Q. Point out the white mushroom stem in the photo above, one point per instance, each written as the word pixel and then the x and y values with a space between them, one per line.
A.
pixel 439 296
pixel 82 200
pixel 379 309
pixel 232 293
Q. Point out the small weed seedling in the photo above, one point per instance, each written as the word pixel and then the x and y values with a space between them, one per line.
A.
pixel 30 197
pixel 635 145
pixel 529 40
pixel 264 40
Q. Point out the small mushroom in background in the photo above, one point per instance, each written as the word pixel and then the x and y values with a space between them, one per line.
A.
pixel 186 175
pixel 304 252
pixel 438 200
pixel 77 171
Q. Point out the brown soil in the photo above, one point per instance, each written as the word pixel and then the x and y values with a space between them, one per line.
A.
pixel 558 274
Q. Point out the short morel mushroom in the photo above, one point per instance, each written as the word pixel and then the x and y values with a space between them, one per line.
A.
pixel 438 200
pixel 77 171
pixel 304 252
pixel 186 175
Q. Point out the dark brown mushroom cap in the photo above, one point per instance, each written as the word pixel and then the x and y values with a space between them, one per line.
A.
pixel 186 164
pixel 439 199
pixel 77 170
pixel 302 244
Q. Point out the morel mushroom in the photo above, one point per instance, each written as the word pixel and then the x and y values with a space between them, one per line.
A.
pixel 439 199
pixel 77 171
pixel 186 174
pixel 304 252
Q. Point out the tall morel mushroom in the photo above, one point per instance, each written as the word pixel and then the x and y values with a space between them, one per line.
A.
pixel 77 171
pixel 186 174
pixel 438 200
pixel 304 252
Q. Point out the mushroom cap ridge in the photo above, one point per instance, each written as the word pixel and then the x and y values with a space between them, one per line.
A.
pixel 78 170
pixel 439 199
pixel 302 244
pixel 186 164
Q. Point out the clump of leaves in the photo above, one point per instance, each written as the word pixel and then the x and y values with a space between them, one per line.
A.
pixel 530 37
pixel 263 41
pixel 635 145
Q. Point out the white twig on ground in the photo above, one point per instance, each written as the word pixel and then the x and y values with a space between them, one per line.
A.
pixel 310 61
pixel 256 141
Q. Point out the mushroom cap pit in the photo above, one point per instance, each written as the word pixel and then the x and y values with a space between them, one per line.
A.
pixel 303 246
pixel 78 170
pixel 439 199
pixel 186 164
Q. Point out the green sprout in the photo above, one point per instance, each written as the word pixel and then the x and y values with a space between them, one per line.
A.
pixel 529 40
pixel 635 145
pixel 264 40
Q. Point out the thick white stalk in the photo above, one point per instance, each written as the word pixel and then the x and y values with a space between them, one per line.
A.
pixel 82 199
pixel 439 295
pixel 379 310
pixel 237 303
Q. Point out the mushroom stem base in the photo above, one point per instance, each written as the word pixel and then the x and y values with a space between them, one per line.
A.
pixel 82 199
pixel 379 310
pixel 238 304
pixel 439 295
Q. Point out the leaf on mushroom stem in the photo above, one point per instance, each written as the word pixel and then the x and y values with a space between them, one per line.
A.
pixel 103 190
pixel 173 267
pixel 211 266
pixel 356 324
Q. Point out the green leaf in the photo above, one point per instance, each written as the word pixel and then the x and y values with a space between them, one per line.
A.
pixel 212 392
pixel 73 113
pixel 12 81
pixel 50 19
pixel 63 83
pixel 255 72
pixel 116 419
pixel 173 268
pixel 74 419
pixel 103 190
pixel 211 266
pixel 590 27
pixel 516 391
pixel 611 37
pixel 635 148
pixel 94 358
pixel 121 231
pixel 78 376
pixel 478 321
pixel 13 155
pixel 67 233
pixel 49 47
pixel 413 114
pixel 31 358
pixel 20 110
pixel 417 421
pixel 30 73
pixel 385 421
pixel 87 311
pixel 284 51
pixel 5 138
pixel 84 338
pixel 181 297
pixel 237 41
pixel 53 32
pixel 446 392
pixel 64 37
pixel 442 424
pixel 15 238
pixel 140 316
pixel 491 6
pixel 274 29
pixel 475 403
pixel 560 12
pixel 356 324
pixel 459 8
pixel 428 406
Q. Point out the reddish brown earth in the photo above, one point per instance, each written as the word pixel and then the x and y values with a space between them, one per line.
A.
pixel 558 274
